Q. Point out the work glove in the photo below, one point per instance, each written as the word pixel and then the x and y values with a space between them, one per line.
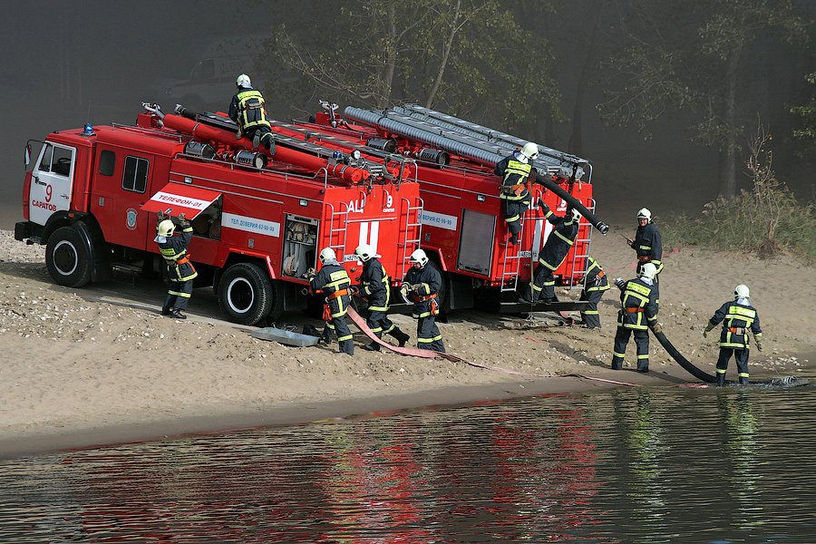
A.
pixel 707 329
pixel 657 328
pixel 161 216
pixel 405 290
pixel 354 290
pixel 630 242
pixel 758 340
pixel 619 282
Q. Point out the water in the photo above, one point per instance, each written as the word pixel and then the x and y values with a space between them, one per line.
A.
pixel 630 465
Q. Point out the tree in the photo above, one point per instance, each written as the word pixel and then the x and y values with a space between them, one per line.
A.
pixel 691 56
pixel 807 114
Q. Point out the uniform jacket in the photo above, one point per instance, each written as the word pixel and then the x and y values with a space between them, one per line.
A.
pixel 595 279
pixel 648 245
pixel 427 281
pixel 737 319
pixel 248 108
pixel 559 241
pixel 174 249
pixel 641 299
pixel 375 285
pixel 513 173
pixel 330 279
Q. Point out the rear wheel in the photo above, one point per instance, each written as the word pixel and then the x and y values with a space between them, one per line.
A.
pixel 246 294
pixel 69 258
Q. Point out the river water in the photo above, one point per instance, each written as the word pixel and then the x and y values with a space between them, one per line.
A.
pixel 628 465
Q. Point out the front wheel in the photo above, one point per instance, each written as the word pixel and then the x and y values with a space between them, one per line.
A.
pixel 245 293
pixel 69 258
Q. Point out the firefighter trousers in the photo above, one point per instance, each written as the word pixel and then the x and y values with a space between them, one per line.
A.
pixel 642 343
pixel 263 134
pixel 428 335
pixel 380 325
pixel 543 284
pixel 178 295
pixel 741 356
pixel 513 212
pixel 340 328
pixel 591 317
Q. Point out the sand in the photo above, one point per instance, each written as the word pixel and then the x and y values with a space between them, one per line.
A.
pixel 98 365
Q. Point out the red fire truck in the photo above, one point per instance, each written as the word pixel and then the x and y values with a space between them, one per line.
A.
pixel 463 229
pixel 91 196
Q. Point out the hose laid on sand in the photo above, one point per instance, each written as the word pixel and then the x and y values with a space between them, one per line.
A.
pixel 428 354
pixel 681 360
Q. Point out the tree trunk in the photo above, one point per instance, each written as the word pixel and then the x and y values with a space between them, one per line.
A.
pixel 391 58
pixel 728 162
pixel 576 139
pixel 445 55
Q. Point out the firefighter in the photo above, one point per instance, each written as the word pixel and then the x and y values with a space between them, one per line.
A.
pixel 375 286
pixel 421 286
pixel 334 282
pixel 555 250
pixel 737 317
pixel 248 109
pixel 638 312
pixel 648 245
pixel 180 270
pixel 515 172
pixel 595 284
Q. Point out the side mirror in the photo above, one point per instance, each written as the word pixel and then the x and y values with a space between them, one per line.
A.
pixel 27 157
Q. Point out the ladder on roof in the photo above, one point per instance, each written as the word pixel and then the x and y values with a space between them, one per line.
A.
pixel 338 229
pixel 412 224
pixel 583 253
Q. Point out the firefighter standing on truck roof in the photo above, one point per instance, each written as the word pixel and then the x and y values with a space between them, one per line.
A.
pixel 334 282
pixel 555 250
pixel 595 284
pixel 737 317
pixel 638 312
pixel 515 173
pixel 421 286
pixel 180 270
pixel 648 245
pixel 248 109
pixel 375 286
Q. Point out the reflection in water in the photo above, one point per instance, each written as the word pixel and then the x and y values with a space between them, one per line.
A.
pixel 628 465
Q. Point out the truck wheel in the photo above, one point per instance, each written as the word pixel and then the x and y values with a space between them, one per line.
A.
pixel 69 258
pixel 245 293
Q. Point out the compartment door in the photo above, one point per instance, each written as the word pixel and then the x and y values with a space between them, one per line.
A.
pixel 476 242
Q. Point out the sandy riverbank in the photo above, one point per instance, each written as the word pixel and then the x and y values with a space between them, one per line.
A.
pixel 99 365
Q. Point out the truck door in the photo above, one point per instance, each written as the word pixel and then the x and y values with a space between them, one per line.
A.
pixel 51 182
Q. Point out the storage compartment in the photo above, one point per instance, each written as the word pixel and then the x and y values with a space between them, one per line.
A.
pixel 299 245
pixel 207 224
pixel 476 242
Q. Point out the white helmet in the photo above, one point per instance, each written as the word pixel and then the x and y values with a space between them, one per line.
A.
pixel 644 213
pixel 530 150
pixel 576 215
pixel 419 257
pixel 741 291
pixel 243 81
pixel 327 254
pixel 364 252
pixel 648 271
pixel 165 228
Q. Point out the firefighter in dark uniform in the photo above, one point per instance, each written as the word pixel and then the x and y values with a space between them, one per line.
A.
pixel 248 109
pixel 375 286
pixel 555 250
pixel 515 173
pixel 333 281
pixel 595 284
pixel 648 246
pixel 737 317
pixel 638 312
pixel 421 286
pixel 180 270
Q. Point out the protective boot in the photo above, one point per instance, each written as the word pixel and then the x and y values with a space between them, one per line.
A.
pixel 743 380
pixel 373 346
pixel 326 337
pixel 720 379
pixel 400 336
pixel 165 310
pixel 347 347
pixel 177 314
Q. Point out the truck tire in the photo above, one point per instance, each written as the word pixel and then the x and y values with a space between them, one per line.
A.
pixel 69 257
pixel 245 293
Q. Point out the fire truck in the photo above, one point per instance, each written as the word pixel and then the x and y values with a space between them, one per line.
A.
pixel 259 218
pixel 463 227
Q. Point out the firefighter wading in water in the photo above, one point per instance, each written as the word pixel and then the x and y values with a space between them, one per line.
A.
pixel 333 281
pixel 515 173
pixel 375 287
pixel 555 250
pixel 638 312
pixel 737 317
pixel 180 270
pixel 248 109
pixel 421 286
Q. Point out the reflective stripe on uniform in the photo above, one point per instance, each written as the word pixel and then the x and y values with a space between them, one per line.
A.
pixel 344 338
pixel 567 240
pixel 428 340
